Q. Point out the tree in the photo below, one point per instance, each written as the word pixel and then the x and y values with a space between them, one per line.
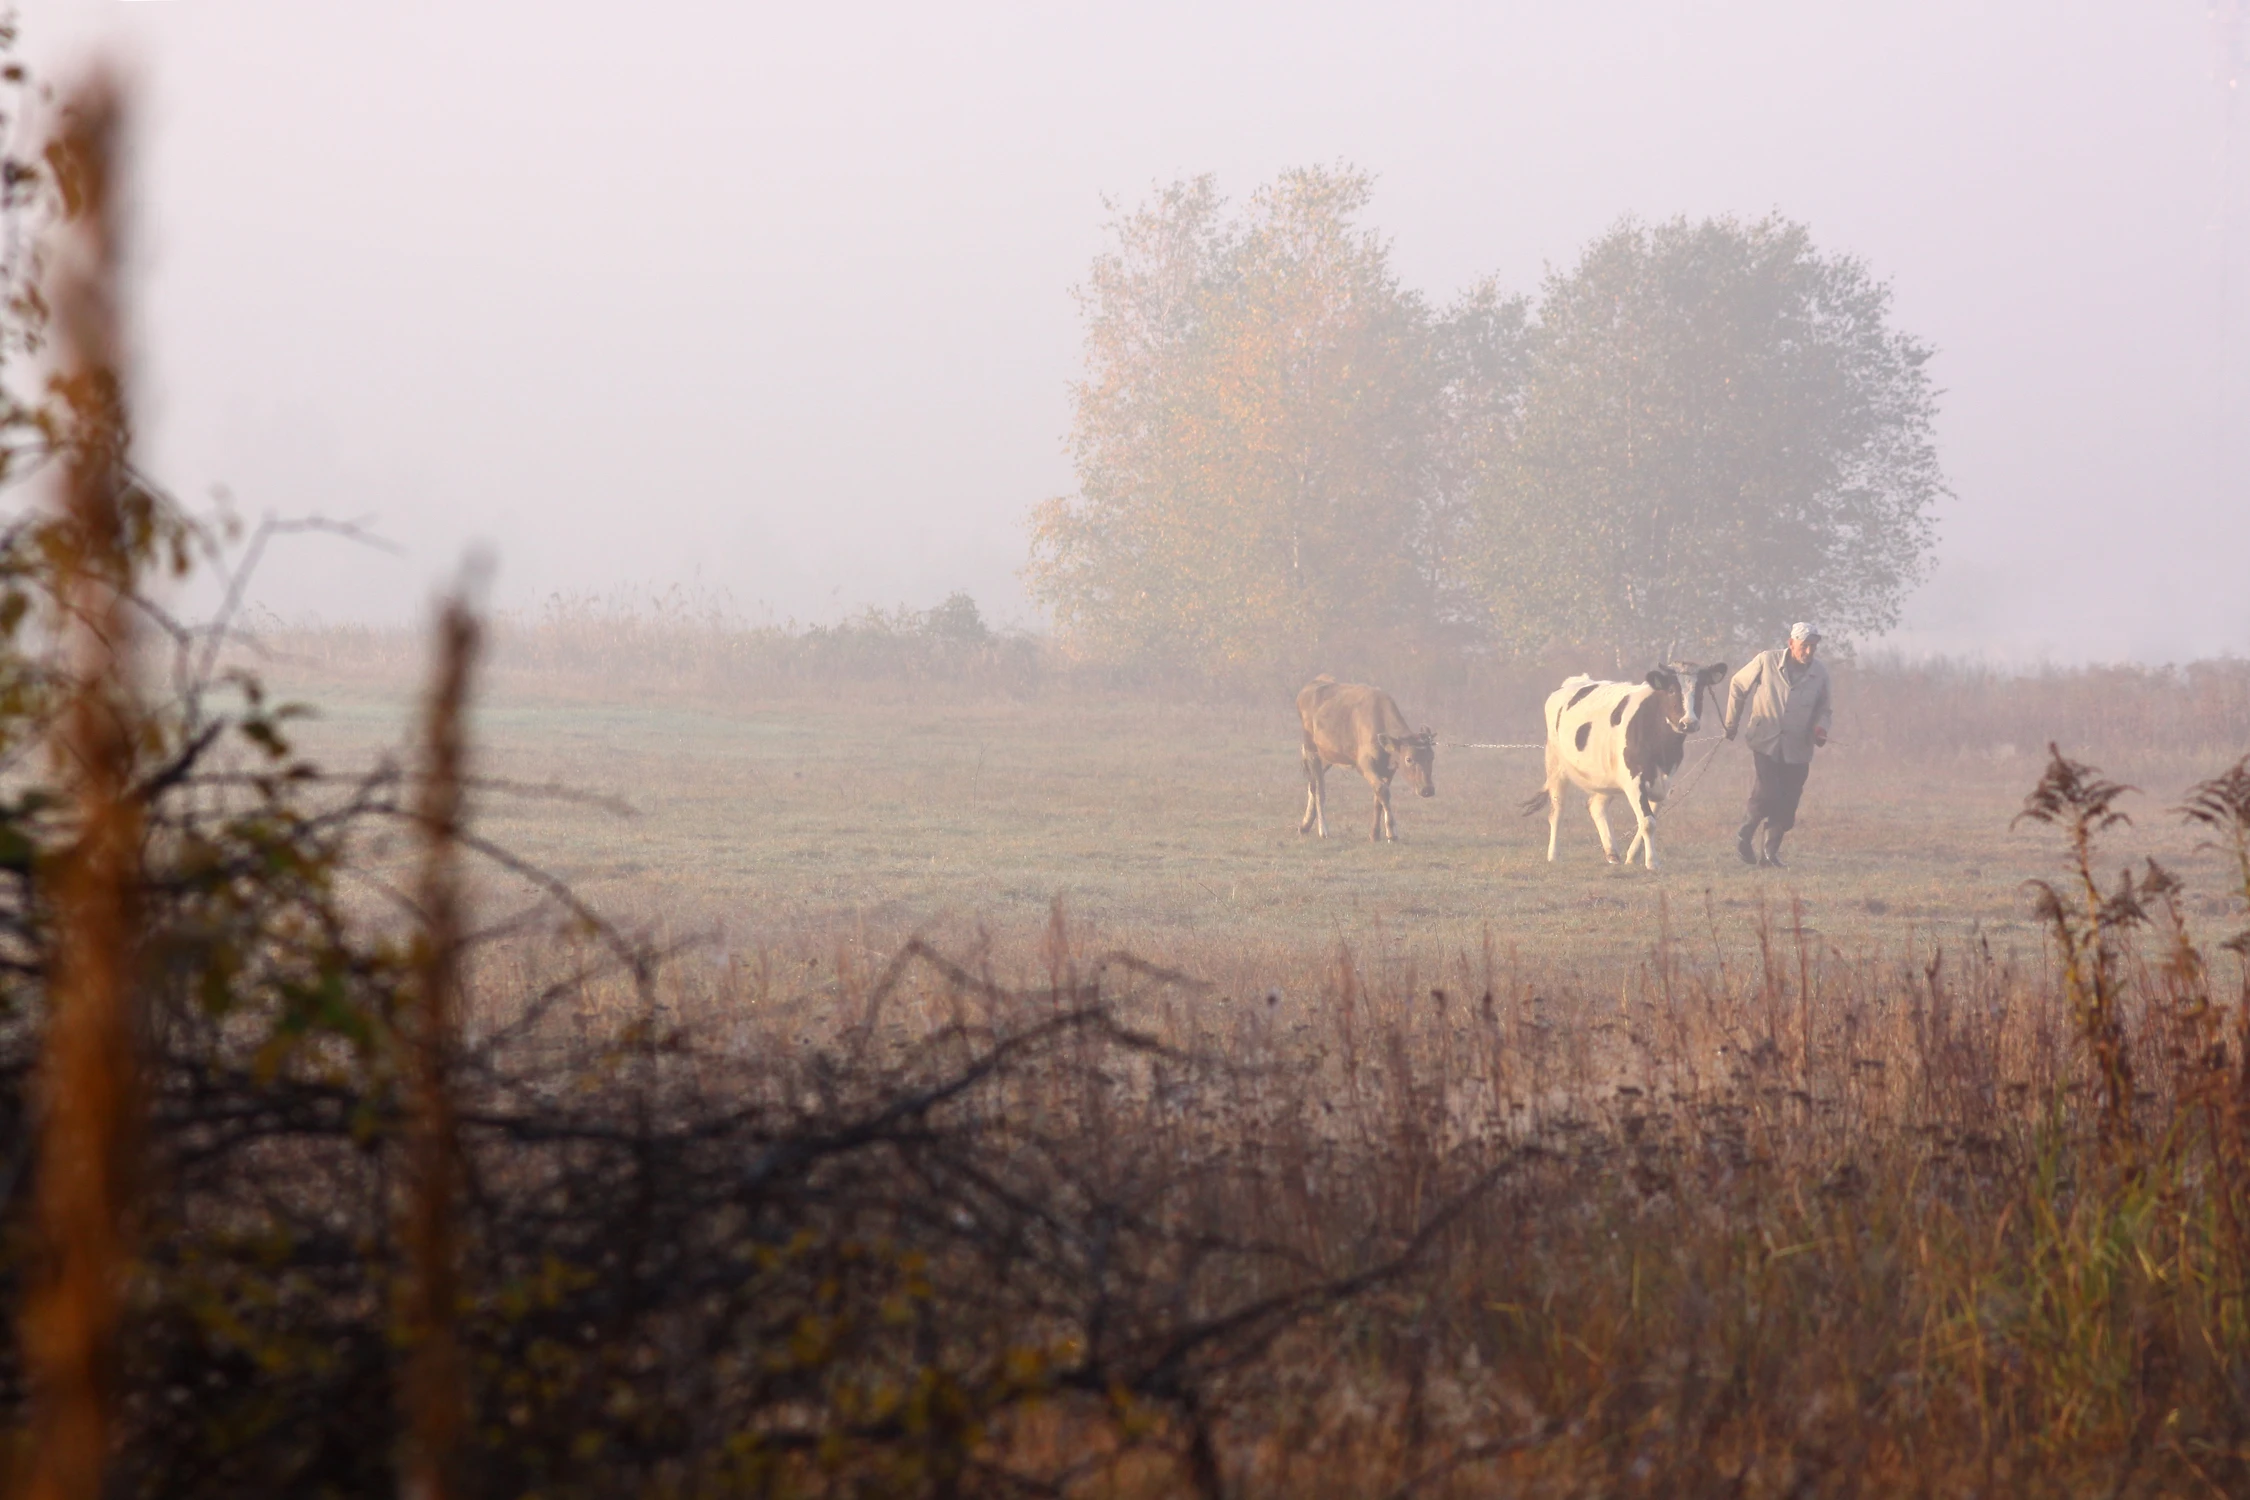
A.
pixel 1719 431
pixel 1481 346
pixel 1254 436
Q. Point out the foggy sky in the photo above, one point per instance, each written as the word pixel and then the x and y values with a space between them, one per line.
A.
pixel 774 300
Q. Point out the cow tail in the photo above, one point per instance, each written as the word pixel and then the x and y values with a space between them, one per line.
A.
pixel 1534 802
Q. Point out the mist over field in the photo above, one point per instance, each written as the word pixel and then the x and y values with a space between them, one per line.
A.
pixel 775 303
pixel 1257 753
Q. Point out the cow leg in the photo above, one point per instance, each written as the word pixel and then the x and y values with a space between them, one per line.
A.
pixel 1644 838
pixel 1554 800
pixel 1597 807
pixel 1645 807
pixel 1381 786
pixel 1316 778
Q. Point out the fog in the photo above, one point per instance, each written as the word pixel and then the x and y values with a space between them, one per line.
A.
pixel 774 302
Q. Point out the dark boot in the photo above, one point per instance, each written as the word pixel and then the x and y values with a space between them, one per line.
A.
pixel 1771 859
pixel 1742 845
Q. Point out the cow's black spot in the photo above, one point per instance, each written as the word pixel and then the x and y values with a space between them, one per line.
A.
pixel 1652 745
pixel 1584 730
pixel 1582 692
pixel 1617 714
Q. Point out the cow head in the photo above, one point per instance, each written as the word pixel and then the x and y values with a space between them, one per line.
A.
pixel 1416 755
pixel 1680 687
pixel 1673 700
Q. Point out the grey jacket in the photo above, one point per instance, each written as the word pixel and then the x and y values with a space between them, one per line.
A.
pixel 1783 714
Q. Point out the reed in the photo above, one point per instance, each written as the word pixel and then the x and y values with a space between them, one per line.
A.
pixel 90 1101
pixel 434 1398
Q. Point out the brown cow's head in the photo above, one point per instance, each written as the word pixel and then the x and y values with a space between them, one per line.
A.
pixel 1416 755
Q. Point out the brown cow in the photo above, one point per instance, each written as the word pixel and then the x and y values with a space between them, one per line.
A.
pixel 1351 724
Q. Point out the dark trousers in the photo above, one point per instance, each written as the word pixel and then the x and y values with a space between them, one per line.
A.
pixel 1774 794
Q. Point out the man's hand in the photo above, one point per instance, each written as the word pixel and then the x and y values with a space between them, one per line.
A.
pixel 1819 736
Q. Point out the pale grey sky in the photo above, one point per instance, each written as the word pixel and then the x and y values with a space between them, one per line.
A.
pixel 775 300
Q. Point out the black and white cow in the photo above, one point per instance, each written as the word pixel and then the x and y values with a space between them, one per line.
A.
pixel 1613 739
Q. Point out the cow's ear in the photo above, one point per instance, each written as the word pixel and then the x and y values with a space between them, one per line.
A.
pixel 1383 741
pixel 1656 680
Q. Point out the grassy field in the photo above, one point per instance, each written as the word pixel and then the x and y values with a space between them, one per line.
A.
pixel 1422 1169
pixel 1172 828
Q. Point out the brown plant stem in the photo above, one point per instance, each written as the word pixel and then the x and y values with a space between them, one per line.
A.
pixel 433 1395
pixel 89 1089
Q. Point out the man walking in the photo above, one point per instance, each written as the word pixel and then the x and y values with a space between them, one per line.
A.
pixel 1789 713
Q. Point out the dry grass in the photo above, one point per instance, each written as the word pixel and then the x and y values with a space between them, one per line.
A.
pixel 1804 1225
pixel 1441 1171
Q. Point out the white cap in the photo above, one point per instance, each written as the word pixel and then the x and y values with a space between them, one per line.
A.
pixel 1803 631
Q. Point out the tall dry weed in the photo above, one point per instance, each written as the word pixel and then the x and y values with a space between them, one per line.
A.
pixel 2089 925
pixel 434 1396
pixel 90 1101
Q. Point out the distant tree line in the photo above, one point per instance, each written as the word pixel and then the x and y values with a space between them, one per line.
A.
pixel 1698 432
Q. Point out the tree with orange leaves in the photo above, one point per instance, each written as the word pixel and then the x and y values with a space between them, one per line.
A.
pixel 1257 436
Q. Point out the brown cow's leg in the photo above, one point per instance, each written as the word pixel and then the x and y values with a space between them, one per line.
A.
pixel 1382 801
pixel 1316 778
pixel 1382 788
